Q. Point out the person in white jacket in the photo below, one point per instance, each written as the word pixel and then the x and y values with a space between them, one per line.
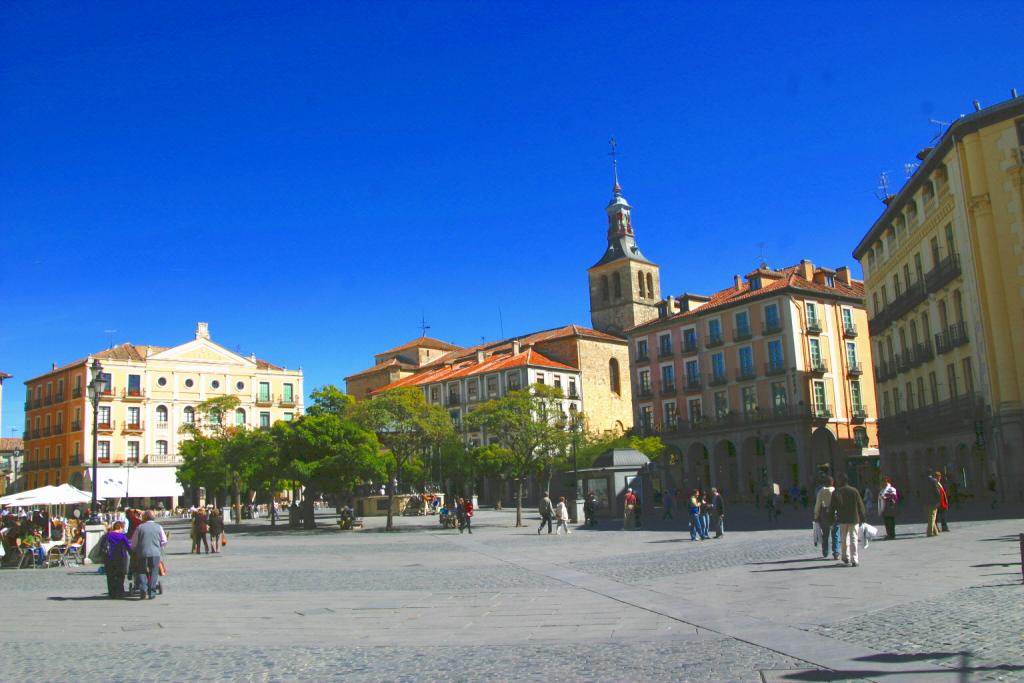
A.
pixel 826 520
pixel 562 517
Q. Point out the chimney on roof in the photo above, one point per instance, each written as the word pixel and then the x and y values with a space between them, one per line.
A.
pixel 1013 93
pixel 807 270
pixel 252 357
pixel 54 367
pixel 977 105
pixel 202 331
pixel 843 275
pixel 479 356
pixel 516 347
pixel 670 305
pixel 737 282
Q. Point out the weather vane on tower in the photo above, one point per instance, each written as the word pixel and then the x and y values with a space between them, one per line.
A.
pixel 614 154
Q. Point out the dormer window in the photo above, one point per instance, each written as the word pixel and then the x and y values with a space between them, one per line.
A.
pixel 830 281
pixel 755 283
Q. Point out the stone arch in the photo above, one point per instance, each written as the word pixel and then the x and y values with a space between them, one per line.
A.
pixel 753 460
pixel 783 461
pixel 604 288
pixel 694 464
pixel 824 454
pixel 725 469
pixel 640 284
pixel 650 286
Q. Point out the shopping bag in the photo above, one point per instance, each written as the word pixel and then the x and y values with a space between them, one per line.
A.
pixel 816 528
pixel 223 539
pixel 162 569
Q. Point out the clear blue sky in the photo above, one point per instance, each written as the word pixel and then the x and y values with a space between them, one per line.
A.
pixel 310 177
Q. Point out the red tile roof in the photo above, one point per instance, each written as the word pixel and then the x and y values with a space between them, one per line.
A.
pixel 8 443
pixel 390 363
pixel 470 367
pixel 790 280
pixel 421 342
pixel 4 375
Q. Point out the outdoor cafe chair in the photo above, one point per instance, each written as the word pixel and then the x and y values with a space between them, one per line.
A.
pixel 56 556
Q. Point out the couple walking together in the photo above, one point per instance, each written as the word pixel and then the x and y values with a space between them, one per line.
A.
pixel 559 513
pixel 140 553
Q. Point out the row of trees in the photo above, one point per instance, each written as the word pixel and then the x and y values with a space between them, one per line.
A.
pixel 340 443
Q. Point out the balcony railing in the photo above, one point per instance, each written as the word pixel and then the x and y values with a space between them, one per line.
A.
pixel 454 399
pixel 58 429
pixel 35 433
pixel 48 400
pixel 134 426
pixel 265 400
pixel 921 423
pixel 47 431
pixel 744 374
pixel 859 413
pixel 106 426
pixel 854 369
pixel 730 421
pixel 668 388
pixel 849 330
pixel 954 336
pixel 771 327
pixel 921 353
pixel 642 357
pixel 813 327
pixel 643 392
pixel 38 403
pixel 714 340
pixel 693 384
pixel 818 366
pixel 108 393
pixel 132 394
pixel 59 398
pixel 741 334
pixel 664 352
pixel 716 380
pixel 822 412
pixel 573 394
pixel 774 368
pixel 76 425
pixel 162 459
pixel 942 274
pixel 287 401
pixel 76 392
pixel 690 345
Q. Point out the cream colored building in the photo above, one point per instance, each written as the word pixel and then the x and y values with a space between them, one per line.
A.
pixel 766 381
pixel 151 392
pixel 944 271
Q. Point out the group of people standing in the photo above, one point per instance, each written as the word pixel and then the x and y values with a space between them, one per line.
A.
pixel 208 531
pixel 706 512
pixel 138 552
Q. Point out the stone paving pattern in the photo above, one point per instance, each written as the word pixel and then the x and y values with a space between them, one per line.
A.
pixel 507 604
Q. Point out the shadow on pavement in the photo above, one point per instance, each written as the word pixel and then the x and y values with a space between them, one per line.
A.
pixel 60 598
pixel 831 564
pixel 803 559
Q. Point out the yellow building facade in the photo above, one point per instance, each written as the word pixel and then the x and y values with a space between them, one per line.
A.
pixel 151 392
pixel 944 274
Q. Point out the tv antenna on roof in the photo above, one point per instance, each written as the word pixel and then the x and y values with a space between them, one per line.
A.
pixel 943 125
pixel 423 324
pixel 883 186
pixel 909 168
pixel 110 338
pixel 762 259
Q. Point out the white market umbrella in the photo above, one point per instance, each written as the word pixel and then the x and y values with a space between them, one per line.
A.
pixel 26 498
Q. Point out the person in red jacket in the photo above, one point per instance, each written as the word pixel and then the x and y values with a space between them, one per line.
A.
pixel 943 502
pixel 467 515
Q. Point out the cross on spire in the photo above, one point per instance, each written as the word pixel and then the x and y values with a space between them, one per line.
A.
pixel 614 154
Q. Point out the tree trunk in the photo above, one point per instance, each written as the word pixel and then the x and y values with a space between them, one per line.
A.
pixel 308 512
pixel 270 504
pixel 519 504
pixel 237 499
pixel 391 502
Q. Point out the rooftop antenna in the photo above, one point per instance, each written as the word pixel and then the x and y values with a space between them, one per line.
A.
pixel 882 192
pixel 501 325
pixel 763 251
pixel 942 126
pixel 110 338
pixel 908 169
pixel 423 324
pixel 614 154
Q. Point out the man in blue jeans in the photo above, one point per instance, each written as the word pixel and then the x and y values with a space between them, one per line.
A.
pixel 826 520
pixel 148 541
pixel 696 523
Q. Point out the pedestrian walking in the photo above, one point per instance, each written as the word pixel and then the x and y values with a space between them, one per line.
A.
pixel 705 514
pixel 148 542
pixel 629 510
pixel 200 531
pixel 116 559
pixel 669 501
pixel 826 520
pixel 562 517
pixel 216 526
pixel 717 506
pixel 590 510
pixel 943 503
pixel 848 508
pixel 888 504
pixel 466 522
pixel 547 511
pixel 933 494
pixel 696 524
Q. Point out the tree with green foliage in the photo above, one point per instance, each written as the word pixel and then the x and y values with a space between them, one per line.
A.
pixel 408 426
pixel 329 399
pixel 201 464
pixel 326 453
pixel 213 424
pixel 530 425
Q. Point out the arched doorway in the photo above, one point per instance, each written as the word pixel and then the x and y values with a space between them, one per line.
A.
pixel 783 461
pixel 826 460
pixel 726 468
pixel 754 463
pixel 697 467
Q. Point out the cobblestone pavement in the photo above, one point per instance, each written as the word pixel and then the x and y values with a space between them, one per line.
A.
pixel 505 604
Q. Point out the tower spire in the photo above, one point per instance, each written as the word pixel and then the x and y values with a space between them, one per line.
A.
pixel 617 189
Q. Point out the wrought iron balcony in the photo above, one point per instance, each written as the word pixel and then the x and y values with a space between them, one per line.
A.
pixel 716 380
pixel 132 394
pixel 955 335
pixel 454 399
pixel 106 426
pixel 643 392
pixel 287 401
pixel 774 368
pixel 822 412
pixel 818 366
pixel 850 330
pixel 859 412
pixel 813 326
pixel 771 327
pixel 76 392
pixel 134 427
pixel 947 270
pixel 690 345
pixel 668 388
pixel 693 384
pixel 741 334
pixel 854 369
pixel 642 357
pixel 714 340
pixel 76 425
pixel 59 397
pixel 664 352
pixel 746 373
pixel 265 400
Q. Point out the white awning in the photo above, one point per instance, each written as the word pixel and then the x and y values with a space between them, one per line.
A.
pixel 138 482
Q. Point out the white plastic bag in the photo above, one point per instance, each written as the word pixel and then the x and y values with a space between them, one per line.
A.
pixel 867 532
pixel 816 528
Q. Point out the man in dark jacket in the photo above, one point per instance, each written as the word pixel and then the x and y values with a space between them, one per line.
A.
pixel 717 507
pixel 848 508
pixel 547 511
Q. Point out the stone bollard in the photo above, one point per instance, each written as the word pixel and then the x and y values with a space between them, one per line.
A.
pixel 93 534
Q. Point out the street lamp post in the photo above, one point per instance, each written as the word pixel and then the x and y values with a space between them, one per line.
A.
pixel 574 425
pixel 96 387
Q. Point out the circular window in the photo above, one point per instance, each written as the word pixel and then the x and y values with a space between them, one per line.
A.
pixel 162 381
pixel 240 386
pixel 215 384
pixel 188 383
